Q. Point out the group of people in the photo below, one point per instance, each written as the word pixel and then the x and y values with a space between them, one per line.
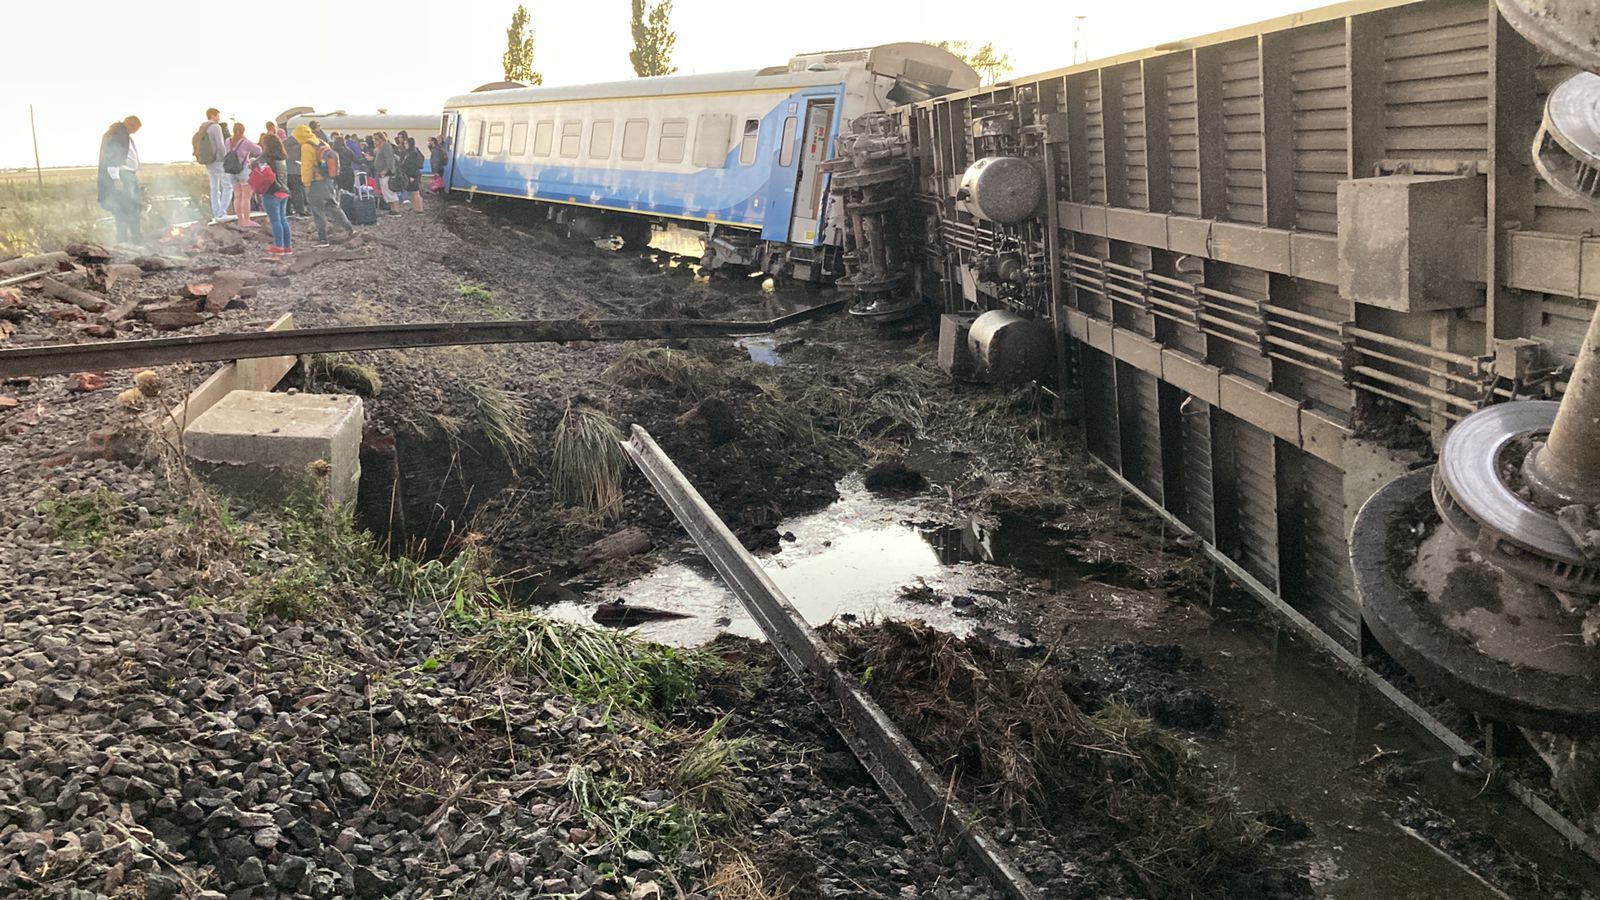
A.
pixel 293 175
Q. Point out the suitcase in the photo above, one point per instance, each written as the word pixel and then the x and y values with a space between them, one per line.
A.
pixel 361 207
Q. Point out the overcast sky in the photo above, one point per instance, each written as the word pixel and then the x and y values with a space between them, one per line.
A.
pixel 84 64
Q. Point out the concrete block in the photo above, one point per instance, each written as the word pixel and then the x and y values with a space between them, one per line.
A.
pixel 261 445
pixel 954 358
pixel 1400 246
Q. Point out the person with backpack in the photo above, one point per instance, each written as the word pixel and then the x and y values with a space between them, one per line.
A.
pixel 241 150
pixel 411 172
pixel 118 179
pixel 270 181
pixel 319 166
pixel 210 146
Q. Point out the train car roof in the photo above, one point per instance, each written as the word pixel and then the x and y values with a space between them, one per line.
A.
pixel 659 86
pixel 367 122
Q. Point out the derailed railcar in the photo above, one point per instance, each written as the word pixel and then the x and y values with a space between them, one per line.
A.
pixel 1280 261
pixel 739 154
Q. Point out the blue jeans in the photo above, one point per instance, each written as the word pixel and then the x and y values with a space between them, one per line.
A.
pixel 275 204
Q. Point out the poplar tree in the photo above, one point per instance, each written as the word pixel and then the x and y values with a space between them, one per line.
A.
pixel 653 39
pixel 518 60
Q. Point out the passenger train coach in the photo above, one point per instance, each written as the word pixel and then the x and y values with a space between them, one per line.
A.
pixel 738 154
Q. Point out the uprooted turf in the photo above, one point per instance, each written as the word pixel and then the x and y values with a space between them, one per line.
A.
pixel 1112 791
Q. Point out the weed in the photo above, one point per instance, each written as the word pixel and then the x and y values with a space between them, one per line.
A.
pixel 84 519
pixel 503 421
pixel 595 664
pixel 668 370
pixel 348 374
pixel 587 460
pixel 739 878
pixel 295 591
pixel 665 829
pixel 477 293
pixel 702 775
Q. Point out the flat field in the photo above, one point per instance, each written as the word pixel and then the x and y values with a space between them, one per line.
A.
pixel 36 217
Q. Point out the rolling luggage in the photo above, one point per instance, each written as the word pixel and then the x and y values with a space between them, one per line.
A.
pixel 361 207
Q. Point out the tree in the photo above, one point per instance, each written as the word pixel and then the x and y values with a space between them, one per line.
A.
pixel 518 60
pixel 989 64
pixel 653 39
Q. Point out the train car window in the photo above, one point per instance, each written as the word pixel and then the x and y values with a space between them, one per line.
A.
pixel 474 144
pixel 541 137
pixel 519 138
pixel 600 139
pixel 786 143
pixel 497 138
pixel 752 137
pixel 673 135
pixel 571 137
pixel 711 140
pixel 635 134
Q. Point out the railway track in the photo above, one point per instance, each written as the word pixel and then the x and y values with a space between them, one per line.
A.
pixel 911 784
pixel 62 359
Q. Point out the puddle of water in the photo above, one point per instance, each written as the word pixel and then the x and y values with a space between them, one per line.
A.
pixel 762 350
pixel 864 556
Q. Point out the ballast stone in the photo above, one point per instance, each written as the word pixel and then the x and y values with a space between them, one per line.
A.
pixel 264 445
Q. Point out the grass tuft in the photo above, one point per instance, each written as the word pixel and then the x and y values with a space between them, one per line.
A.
pixel 703 776
pixel 501 417
pixel 587 461
pixel 669 370
pixel 477 293
pixel 84 519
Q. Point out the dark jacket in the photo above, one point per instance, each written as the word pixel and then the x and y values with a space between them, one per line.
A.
pixel 438 159
pixel 113 152
pixel 291 150
pixel 347 168
pixel 411 169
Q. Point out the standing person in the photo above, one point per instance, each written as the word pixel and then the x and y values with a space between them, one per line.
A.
pixel 319 187
pixel 411 170
pixel 297 188
pixel 210 146
pixel 383 164
pixel 240 151
pixel 118 179
pixel 349 164
pixel 437 160
pixel 275 199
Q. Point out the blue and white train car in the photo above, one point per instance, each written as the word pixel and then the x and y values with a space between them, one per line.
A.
pixel 739 153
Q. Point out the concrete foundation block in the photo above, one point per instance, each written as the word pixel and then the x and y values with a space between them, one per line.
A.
pixel 263 445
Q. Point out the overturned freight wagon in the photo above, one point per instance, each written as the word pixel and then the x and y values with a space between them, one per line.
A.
pixel 1280 261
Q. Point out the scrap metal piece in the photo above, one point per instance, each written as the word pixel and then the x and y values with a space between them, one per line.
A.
pixel 915 788
pixel 1566 151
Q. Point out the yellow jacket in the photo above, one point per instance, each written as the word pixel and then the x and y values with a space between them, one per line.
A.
pixel 309 145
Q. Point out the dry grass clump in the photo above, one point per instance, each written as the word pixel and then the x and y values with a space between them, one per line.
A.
pixel 1018 747
pixel 502 420
pixel 668 370
pixel 587 462
pixel 738 878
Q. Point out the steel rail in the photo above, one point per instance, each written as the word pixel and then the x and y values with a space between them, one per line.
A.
pixel 915 788
pixel 62 359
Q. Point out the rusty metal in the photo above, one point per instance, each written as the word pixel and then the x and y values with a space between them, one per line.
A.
pixel 906 778
pixel 60 359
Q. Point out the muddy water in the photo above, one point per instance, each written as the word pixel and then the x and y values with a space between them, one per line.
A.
pixel 1388 816
pixel 863 557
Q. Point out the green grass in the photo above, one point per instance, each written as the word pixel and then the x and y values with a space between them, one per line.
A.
pixel 296 591
pixel 587 461
pixel 476 293
pixel 665 829
pixel 503 421
pixel 85 519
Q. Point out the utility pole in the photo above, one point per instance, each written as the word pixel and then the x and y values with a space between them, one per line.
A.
pixel 38 172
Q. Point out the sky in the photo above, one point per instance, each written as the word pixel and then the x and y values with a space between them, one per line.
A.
pixel 88 64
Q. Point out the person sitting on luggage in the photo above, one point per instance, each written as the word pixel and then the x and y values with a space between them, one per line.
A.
pixel 384 165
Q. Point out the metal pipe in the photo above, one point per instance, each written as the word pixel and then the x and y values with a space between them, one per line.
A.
pixel 1468 361
pixel 1424 390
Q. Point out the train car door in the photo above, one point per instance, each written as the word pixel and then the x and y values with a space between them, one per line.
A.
pixel 805 218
